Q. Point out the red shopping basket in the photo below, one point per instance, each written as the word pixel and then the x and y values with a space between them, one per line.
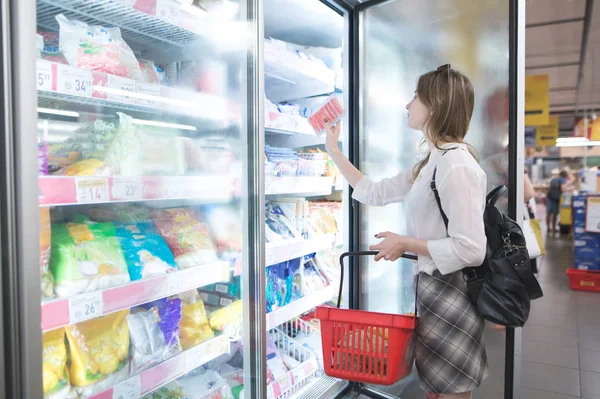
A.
pixel 366 346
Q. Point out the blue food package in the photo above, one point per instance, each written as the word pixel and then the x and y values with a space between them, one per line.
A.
pixel 276 286
pixel 294 280
pixel 146 252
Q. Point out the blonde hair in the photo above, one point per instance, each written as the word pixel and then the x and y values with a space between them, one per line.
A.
pixel 450 98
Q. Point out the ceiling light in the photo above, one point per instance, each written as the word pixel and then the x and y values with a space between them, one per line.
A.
pixel 586 143
pixel 58 112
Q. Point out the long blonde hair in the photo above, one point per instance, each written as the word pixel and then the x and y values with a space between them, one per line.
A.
pixel 450 98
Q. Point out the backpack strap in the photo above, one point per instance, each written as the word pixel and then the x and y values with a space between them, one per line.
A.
pixel 438 199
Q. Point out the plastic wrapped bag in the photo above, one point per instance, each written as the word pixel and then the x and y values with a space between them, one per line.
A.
pixel 275 366
pixel 97 48
pixel 206 384
pixel 86 257
pixel 87 167
pixel 47 280
pixel 188 239
pixel 172 390
pixel 146 253
pixel 228 320
pixel 151 73
pixel 99 350
pixel 194 327
pixel 54 366
pixel 118 213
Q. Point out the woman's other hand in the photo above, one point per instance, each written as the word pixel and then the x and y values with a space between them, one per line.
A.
pixel 392 247
pixel 333 136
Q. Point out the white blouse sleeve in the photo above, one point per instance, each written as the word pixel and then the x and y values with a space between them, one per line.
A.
pixel 462 192
pixel 386 191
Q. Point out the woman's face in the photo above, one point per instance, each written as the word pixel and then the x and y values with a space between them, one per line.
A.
pixel 417 114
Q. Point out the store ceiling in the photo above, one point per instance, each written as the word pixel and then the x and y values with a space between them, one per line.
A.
pixel 563 41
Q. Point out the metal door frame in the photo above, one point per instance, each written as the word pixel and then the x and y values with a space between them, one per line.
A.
pixel 354 10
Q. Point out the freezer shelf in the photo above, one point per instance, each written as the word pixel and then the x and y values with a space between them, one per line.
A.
pixel 65 311
pixel 300 186
pixel 59 190
pixel 183 363
pixel 296 249
pixel 58 83
pixel 298 307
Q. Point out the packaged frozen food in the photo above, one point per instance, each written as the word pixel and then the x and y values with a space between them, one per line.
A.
pixel 278 228
pixel 172 390
pixel 276 287
pixel 51 51
pixel 98 351
pixel 275 365
pixel 206 384
pixel 154 333
pixel 187 237
pixel 331 112
pixel 55 377
pixel 119 213
pixel 194 327
pixel 146 253
pixel 150 72
pixel 47 280
pixel 97 48
pixel 87 167
pixel 225 224
pixel 222 294
pixel 314 280
pixel 228 319
pixel 86 256
pixel 323 217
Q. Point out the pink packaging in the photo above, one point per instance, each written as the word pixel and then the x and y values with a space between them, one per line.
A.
pixel 330 112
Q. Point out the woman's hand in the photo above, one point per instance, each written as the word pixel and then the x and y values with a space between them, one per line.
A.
pixel 392 247
pixel 333 136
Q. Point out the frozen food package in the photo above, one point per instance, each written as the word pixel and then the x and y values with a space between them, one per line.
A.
pixel 55 376
pixel 172 390
pixel 331 112
pixel 86 256
pixel 154 333
pixel 47 280
pixel 151 73
pixel 124 154
pixel 146 252
pixel 275 365
pixel 314 280
pixel 194 327
pixel 97 48
pixel 206 384
pixel 225 223
pixel 119 213
pixel 99 350
pixel 278 228
pixel 187 237
pixel 228 319
pixel 87 167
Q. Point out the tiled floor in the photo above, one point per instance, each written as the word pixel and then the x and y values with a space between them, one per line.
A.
pixel 561 341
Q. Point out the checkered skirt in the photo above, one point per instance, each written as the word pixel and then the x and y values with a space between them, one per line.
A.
pixel 449 348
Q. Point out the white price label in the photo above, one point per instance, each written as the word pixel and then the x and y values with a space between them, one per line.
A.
pixel 120 87
pixel 168 10
pixel 286 382
pixel 176 283
pixel 196 357
pixel 148 94
pixel 127 189
pixel 269 255
pixel 86 306
pixel 92 190
pixel 44 75
pixel 128 389
pixel 74 81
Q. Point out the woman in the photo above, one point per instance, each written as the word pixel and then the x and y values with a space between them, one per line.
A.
pixel 449 350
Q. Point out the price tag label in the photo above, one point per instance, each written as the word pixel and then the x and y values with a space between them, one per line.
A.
pixel 128 389
pixel 92 190
pixel 127 189
pixel 44 75
pixel 168 10
pixel 149 94
pixel 269 255
pixel 74 81
pixel 196 357
pixel 176 283
pixel 122 86
pixel 286 382
pixel 86 306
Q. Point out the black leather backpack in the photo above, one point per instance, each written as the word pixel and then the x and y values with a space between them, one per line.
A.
pixel 502 287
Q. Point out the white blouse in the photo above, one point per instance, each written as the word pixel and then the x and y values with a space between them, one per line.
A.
pixel 462 186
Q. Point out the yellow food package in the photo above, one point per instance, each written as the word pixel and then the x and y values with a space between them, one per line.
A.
pixel 87 167
pixel 193 326
pixel 54 361
pixel 228 319
pixel 98 348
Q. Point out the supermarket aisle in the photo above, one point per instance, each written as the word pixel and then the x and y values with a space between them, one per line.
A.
pixel 561 341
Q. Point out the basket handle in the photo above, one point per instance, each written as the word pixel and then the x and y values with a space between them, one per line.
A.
pixel 364 253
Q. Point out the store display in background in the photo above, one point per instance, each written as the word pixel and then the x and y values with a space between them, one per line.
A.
pixel 586 244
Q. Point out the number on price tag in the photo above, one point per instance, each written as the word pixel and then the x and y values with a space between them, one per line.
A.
pixel 168 10
pixel 44 75
pixel 92 190
pixel 149 94
pixel 286 382
pixel 74 81
pixel 196 357
pixel 127 189
pixel 119 88
pixel 86 306
pixel 128 389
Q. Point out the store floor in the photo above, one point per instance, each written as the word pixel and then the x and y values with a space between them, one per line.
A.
pixel 561 341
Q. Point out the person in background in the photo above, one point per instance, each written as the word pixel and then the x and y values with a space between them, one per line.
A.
pixel 558 186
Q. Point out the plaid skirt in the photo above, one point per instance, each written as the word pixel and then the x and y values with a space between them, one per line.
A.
pixel 450 352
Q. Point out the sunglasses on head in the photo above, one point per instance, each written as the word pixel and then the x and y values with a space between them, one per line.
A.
pixel 445 67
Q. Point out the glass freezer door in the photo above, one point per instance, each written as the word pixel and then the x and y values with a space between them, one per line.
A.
pixel 143 123
pixel 399 41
